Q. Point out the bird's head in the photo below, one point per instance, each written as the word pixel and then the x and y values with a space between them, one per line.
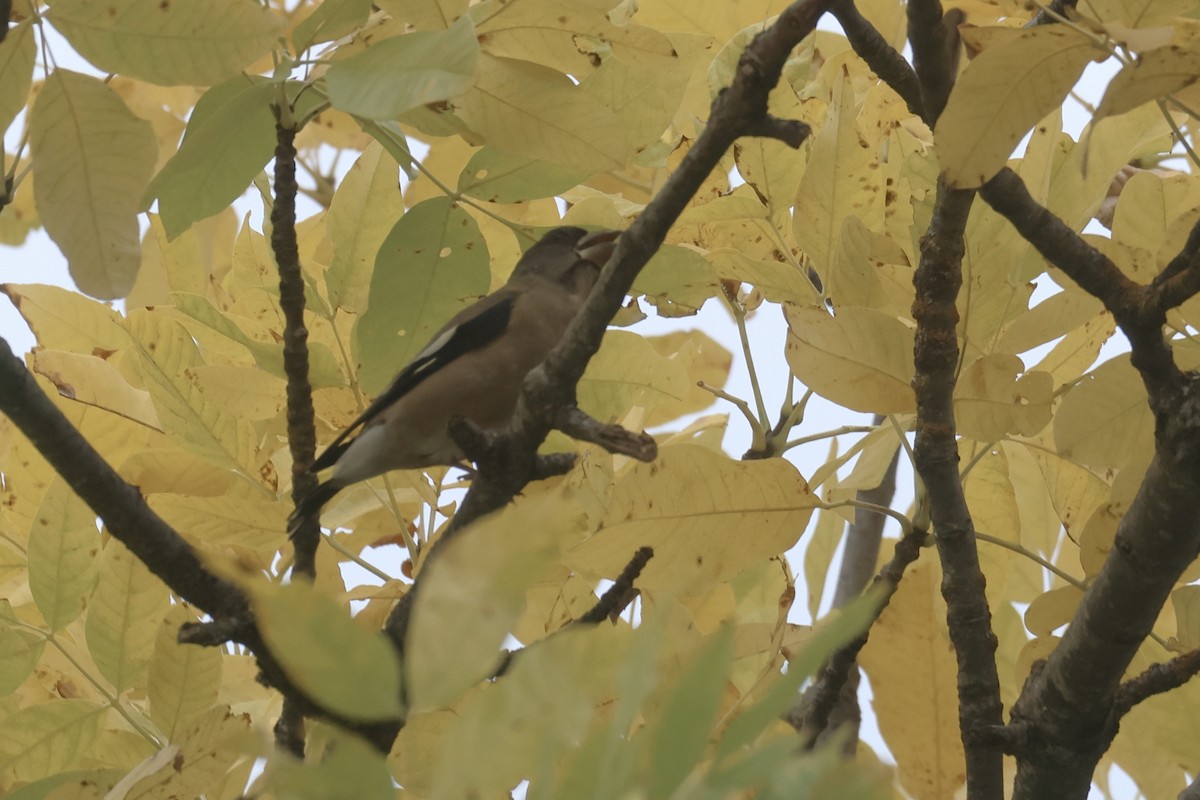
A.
pixel 568 255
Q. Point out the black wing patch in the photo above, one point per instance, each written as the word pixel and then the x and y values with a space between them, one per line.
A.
pixel 470 335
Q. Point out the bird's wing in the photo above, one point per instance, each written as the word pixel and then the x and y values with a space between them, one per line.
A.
pixel 470 330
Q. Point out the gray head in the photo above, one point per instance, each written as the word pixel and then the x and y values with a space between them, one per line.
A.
pixel 570 256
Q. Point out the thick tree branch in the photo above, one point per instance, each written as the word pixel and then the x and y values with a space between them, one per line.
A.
pixel 1137 310
pixel 937 282
pixel 881 57
pixel 302 433
pixel 934 40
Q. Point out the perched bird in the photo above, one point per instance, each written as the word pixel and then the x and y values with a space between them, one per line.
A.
pixel 473 367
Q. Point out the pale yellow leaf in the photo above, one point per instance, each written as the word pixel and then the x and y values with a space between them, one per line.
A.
pixel 861 358
pixel 169 357
pixel 17 52
pixel 911 665
pixel 92 160
pixel 570 36
pixel 1141 13
pixel 842 180
pixel 1003 92
pixel 476 587
pixel 41 740
pixel 175 470
pixel 1076 492
pixel 64 554
pixel 425 14
pixel 994 396
pixel 779 281
pixel 627 372
pixel 183 679
pixel 991 497
pixel 257 524
pixel 1105 420
pixel 1052 610
pixel 1152 76
pixel 169 43
pixel 96 382
pixel 703 359
pixel 123 615
pixel 1148 207
pixel 1055 316
pixel 252 392
pixel 207 748
pixel 818 556
pixel 65 320
pixel 706 516
pixel 364 209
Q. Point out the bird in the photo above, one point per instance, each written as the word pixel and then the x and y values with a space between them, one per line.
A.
pixel 473 367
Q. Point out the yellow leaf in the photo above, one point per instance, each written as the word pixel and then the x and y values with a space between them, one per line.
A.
pixel 842 179
pixel 168 43
pixel 861 359
pixel 64 553
pixel 1052 610
pixel 96 382
pixel 706 516
pixel 203 752
pixel 41 740
pixel 17 52
pixel 364 209
pixel 995 396
pixel 65 320
pixel 1105 420
pixel 184 679
pixel 628 372
pixel 257 524
pixel 123 615
pixel 169 357
pixel 91 164
pixel 1002 93
pixel 912 669
pixel 571 36
pixel 1153 76
pixel 476 587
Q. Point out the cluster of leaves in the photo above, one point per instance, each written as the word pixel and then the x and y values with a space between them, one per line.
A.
pixel 517 106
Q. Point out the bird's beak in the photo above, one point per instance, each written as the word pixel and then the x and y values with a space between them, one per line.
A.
pixel 597 247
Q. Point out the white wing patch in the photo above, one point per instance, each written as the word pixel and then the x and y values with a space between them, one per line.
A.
pixel 427 355
pixel 363 457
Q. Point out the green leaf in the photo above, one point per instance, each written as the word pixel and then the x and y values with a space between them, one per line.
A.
pixel 506 178
pixel 433 264
pixel 347 768
pixel 833 632
pixel 20 650
pixel 405 72
pixel 17 53
pixel 680 735
pixel 168 43
pixel 230 137
pixel 332 20
pixel 38 741
pixel 92 159
pixel 123 616
pixel 340 664
pixel 476 588
pixel 64 548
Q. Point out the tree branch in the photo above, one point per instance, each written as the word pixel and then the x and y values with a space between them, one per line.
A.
pixel 937 282
pixel 880 56
pixel 1157 679
pixel 934 40
pixel 1137 311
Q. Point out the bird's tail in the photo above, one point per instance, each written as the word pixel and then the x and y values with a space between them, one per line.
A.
pixel 310 505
